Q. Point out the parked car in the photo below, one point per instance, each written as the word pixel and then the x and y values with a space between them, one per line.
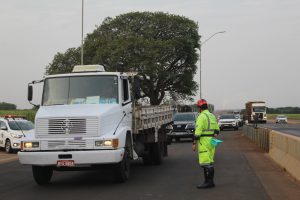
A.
pixel 281 119
pixel 228 121
pixel 12 129
pixel 183 126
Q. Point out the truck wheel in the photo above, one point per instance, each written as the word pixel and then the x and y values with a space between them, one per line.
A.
pixel 169 140
pixel 42 175
pixel 8 148
pixel 123 168
pixel 158 153
pixel 147 160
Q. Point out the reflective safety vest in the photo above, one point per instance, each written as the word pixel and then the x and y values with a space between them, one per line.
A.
pixel 206 124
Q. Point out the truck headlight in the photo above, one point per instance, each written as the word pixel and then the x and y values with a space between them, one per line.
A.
pixel 30 145
pixel 114 143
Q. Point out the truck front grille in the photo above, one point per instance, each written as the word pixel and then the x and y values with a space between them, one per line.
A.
pixel 66 127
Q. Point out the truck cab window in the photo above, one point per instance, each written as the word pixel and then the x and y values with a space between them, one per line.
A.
pixel 125 90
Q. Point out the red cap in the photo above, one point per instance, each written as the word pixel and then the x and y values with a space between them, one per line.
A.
pixel 201 102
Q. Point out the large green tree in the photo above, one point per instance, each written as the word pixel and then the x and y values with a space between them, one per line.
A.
pixel 64 62
pixel 161 47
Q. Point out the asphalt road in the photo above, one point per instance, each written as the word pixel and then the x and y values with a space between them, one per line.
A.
pixel 242 172
pixel 291 129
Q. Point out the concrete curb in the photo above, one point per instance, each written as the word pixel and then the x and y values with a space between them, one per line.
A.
pixel 284 149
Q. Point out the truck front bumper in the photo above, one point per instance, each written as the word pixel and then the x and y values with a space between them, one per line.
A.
pixel 91 157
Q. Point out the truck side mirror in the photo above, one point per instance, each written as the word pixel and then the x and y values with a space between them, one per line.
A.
pixel 29 93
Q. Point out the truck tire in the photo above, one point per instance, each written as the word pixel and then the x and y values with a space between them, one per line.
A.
pixel 8 148
pixel 123 168
pixel 157 153
pixel 147 157
pixel 147 160
pixel 41 174
pixel 169 140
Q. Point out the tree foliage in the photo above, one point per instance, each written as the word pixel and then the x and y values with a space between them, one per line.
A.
pixel 284 110
pixel 64 62
pixel 161 47
pixel 7 106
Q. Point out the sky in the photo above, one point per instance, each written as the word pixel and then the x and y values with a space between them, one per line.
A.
pixel 257 58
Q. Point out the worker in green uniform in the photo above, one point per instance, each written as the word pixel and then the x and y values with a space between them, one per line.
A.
pixel 206 127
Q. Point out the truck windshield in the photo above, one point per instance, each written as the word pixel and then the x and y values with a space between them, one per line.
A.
pixel 81 90
pixel 259 109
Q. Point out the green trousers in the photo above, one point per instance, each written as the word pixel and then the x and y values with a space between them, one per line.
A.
pixel 206 151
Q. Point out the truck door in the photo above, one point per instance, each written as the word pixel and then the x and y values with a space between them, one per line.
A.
pixel 126 103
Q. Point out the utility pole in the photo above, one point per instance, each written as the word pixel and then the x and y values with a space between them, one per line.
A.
pixel 82 1
pixel 200 60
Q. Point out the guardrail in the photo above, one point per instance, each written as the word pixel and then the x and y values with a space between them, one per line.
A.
pixel 284 149
pixel 260 136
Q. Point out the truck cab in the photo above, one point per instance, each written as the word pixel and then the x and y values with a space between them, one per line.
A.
pixel 256 111
pixel 85 118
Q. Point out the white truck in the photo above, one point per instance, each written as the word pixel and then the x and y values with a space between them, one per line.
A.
pixel 256 111
pixel 89 118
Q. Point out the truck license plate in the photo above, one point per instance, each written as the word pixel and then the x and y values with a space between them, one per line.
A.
pixel 65 163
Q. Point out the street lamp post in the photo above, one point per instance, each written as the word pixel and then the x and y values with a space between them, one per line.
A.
pixel 82 3
pixel 200 49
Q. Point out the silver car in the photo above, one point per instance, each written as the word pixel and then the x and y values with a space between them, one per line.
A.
pixel 281 119
pixel 228 121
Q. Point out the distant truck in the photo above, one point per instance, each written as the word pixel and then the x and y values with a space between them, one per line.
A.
pixel 89 118
pixel 256 109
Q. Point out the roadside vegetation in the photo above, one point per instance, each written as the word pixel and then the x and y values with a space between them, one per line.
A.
pixel 284 110
pixel 289 116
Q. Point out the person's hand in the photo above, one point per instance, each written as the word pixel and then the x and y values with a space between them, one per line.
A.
pixel 194 146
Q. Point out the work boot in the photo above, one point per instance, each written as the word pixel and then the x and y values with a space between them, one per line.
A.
pixel 211 173
pixel 209 182
pixel 205 184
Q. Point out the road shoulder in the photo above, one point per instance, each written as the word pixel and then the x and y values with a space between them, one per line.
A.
pixel 5 157
pixel 277 182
